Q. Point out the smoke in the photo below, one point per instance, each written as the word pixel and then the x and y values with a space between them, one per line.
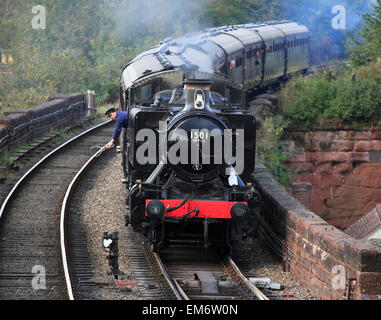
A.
pixel 319 14
pixel 141 24
pixel 355 13
pixel 147 21
pixel 329 21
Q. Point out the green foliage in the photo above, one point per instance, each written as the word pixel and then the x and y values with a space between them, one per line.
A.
pixel 5 159
pixel 305 99
pixel 346 93
pixel 272 152
pixel 355 101
pixel 77 51
pixel 364 45
pixel 228 12
pixel 321 99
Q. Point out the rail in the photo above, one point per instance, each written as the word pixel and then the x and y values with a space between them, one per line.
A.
pixel 67 196
pixel 239 277
pixel 64 208
pixel 180 295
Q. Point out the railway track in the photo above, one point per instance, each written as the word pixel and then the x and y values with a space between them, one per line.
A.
pixel 30 217
pixel 195 273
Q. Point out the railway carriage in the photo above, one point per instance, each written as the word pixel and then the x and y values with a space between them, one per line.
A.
pixel 189 149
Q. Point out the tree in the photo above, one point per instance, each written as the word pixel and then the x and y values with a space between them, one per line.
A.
pixel 364 46
pixel 87 43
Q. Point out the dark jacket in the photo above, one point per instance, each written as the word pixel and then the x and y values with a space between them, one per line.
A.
pixel 121 121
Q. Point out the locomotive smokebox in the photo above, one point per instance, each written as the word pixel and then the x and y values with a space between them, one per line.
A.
pixel 197 94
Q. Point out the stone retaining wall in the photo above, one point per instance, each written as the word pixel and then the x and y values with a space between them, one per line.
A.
pixel 21 126
pixel 330 263
pixel 340 172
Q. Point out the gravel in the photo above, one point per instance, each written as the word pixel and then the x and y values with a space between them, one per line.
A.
pixel 262 263
pixel 103 209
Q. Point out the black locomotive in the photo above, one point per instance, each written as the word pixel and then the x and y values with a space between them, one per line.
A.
pixel 189 148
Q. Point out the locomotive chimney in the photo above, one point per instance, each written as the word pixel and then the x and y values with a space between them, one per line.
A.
pixel 197 93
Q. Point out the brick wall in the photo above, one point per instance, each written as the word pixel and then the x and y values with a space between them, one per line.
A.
pixel 367 225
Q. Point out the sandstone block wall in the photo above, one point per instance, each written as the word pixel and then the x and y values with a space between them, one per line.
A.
pixel 340 171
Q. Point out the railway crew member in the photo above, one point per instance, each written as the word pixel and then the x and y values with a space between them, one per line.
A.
pixel 121 121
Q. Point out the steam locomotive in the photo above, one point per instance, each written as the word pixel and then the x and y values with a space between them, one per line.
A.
pixel 189 148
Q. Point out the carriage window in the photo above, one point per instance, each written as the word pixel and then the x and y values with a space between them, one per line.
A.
pixel 239 62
